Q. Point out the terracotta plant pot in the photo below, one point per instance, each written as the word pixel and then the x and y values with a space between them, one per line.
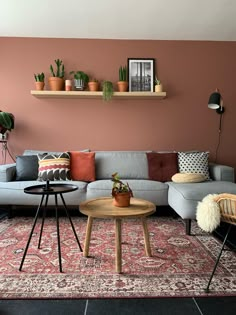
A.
pixel 93 86
pixel 56 84
pixel 122 200
pixel 122 86
pixel 158 88
pixel 39 86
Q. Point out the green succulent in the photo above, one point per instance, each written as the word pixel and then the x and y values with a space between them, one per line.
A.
pixel 123 73
pixel 60 69
pixel 39 77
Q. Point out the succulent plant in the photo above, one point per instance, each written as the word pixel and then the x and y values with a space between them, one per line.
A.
pixel 60 69
pixel 39 77
pixel 123 73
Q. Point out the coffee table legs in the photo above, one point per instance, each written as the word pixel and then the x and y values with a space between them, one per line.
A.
pixel 88 236
pixel 118 246
pixel 117 240
pixel 146 238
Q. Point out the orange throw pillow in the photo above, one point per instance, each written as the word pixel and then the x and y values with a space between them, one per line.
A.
pixel 82 166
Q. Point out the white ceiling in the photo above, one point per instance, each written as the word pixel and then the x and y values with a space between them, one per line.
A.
pixel 123 19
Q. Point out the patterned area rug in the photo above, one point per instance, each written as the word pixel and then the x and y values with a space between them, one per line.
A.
pixel 180 265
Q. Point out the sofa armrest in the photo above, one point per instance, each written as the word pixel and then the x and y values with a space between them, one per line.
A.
pixel 221 172
pixel 7 172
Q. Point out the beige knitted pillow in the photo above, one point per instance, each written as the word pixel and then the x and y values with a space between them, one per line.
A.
pixel 188 178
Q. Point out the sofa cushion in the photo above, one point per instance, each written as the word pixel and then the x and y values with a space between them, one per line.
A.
pixel 82 166
pixel 162 166
pixel 194 162
pixel 128 164
pixel 26 167
pixel 188 178
pixel 54 166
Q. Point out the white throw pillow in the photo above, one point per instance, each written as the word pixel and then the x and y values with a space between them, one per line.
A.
pixel 194 162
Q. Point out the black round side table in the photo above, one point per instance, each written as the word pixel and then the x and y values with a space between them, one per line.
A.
pixel 46 191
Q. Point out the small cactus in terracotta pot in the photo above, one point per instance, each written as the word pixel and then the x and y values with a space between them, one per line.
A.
pixel 39 81
pixel 56 81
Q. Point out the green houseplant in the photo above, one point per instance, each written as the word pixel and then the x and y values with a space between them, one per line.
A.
pixel 121 192
pixel 80 79
pixel 7 122
pixel 108 90
pixel 122 84
pixel 39 81
pixel 158 85
pixel 56 81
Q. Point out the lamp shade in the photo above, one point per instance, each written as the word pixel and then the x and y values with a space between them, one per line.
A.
pixel 214 100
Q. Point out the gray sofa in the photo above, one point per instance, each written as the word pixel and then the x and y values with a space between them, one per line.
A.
pixel 132 166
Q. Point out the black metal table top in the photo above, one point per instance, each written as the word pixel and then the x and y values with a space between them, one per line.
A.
pixel 52 189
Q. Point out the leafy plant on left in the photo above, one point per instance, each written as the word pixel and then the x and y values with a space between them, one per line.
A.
pixel 6 122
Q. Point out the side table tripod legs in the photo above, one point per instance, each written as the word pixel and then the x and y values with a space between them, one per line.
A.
pixel 57 225
pixel 71 223
pixel 31 233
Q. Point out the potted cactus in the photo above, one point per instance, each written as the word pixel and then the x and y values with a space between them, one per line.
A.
pixel 80 80
pixel 121 192
pixel 122 84
pixel 56 81
pixel 39 81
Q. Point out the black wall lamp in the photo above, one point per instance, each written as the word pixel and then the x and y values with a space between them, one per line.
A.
pixel 216 102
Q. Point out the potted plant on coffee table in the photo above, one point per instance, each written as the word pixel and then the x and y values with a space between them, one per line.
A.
pixel 121 192
pixel 80 80
pixel 122 84
pixel 56 81
pixel 39 81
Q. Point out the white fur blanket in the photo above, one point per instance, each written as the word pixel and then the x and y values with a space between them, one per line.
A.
pixel 208 213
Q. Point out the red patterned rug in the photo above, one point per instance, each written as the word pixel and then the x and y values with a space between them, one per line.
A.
pixel 180 266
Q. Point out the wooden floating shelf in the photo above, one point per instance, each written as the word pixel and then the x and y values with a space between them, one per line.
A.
pixel 88 94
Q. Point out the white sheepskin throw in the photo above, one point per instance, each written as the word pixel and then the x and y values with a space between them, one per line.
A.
pixel 208 213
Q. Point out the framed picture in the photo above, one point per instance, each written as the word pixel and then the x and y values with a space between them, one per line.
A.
pixel 141 74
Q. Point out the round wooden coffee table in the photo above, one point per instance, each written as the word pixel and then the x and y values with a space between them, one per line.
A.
pixel 103 208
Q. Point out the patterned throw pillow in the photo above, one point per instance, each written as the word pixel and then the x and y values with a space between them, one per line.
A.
pixel 54 166
pixel 194 162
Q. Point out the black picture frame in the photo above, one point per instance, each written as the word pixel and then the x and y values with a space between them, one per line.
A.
pixel 141 74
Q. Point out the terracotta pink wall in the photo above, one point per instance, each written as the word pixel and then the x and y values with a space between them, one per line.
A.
pixel 189 70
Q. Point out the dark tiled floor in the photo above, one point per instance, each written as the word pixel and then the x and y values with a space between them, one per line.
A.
pixel 158 306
